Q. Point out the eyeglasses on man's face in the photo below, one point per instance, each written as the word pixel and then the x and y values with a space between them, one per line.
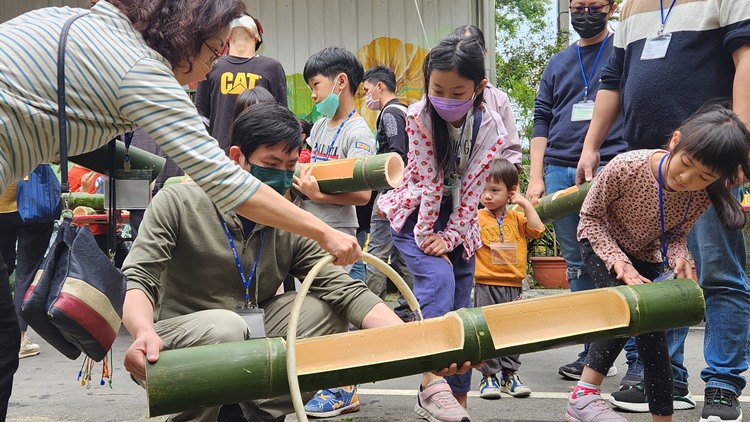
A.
pixel 579 9
pixel 215 54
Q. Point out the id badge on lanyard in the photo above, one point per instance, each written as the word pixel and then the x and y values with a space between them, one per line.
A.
pixel 666 274
pixel 255 319
pixel 656 47
pixel 582 111
pixel 456 192
pixel 504 253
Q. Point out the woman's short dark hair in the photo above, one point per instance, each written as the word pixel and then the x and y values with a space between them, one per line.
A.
pixel 266 124
pixel 177 29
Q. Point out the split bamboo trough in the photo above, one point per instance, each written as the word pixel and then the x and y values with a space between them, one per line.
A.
pixel 207 376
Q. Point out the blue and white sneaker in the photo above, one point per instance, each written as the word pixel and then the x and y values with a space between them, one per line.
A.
pixel 489 387
pixel 514 386
pixel 333 402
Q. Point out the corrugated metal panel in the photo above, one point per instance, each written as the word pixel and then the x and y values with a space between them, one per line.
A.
pixel 294 30
pixel 381 32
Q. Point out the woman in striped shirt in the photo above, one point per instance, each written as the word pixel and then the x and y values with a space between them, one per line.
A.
pixel 125 63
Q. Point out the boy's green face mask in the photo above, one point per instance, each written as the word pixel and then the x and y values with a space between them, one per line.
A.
pixel 328 106
pixel 277 179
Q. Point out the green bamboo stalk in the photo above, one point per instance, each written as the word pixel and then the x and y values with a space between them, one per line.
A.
pixel 382 171
pixel 562 203
pixel 206 376
pixel 99 160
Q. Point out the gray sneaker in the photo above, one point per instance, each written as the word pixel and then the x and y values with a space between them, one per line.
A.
pixel 591 408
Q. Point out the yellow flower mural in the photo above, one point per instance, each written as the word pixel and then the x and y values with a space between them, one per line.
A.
pixel 404 58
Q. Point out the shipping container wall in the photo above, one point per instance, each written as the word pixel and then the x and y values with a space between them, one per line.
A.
pixel 380 32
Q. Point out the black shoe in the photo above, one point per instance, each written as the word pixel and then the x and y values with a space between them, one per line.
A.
pixel 634 399
pixel 571 370
pixel 721 405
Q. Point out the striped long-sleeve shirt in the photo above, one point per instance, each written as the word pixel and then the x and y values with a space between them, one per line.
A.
pixel 114 83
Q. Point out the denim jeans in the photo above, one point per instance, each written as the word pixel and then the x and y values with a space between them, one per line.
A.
pixel 557 178
pixel 11 341
pixel 439 285
pixel 720 263
pixel 358 269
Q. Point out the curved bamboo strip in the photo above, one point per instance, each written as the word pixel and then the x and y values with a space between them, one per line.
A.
pixel 226 373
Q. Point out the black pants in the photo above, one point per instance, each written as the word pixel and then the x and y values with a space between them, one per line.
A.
pixel 10 341
pixel 33 242
pixel 652 347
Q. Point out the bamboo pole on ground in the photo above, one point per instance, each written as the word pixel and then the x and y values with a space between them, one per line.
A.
pixel 207 376
pixel 382 171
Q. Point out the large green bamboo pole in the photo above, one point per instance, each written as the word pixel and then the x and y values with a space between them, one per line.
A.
pixel 211 375
pixel 99 160
pixel 382 171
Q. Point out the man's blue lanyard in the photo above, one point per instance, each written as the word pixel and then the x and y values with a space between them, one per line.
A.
pixel 665 245
pixel 245 280
pixel 664 18
pixel 330 148
pixel 500 222
pixel 586 80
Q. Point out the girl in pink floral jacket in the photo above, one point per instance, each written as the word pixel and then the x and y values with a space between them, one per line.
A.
pixel 453 137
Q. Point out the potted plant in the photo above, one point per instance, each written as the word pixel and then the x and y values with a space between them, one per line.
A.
pixel 547 265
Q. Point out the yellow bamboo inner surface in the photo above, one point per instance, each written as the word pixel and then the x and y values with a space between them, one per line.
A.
pixel 331 170
pixel 378 345
pixel 394 170
pixel 535 320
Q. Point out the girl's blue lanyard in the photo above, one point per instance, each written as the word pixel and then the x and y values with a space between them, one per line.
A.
pixel 500 222
pixel 665 245
pixel 245 280
pixel 586 80
pixel 664 18
pixel 330 148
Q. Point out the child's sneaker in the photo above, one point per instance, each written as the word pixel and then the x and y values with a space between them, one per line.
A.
pixel 333 402
pixel 514 386
pixel 591 408
pixel 634 399
pixel 575 369
pixel 489 387
pixel 437 404
pixel 28 348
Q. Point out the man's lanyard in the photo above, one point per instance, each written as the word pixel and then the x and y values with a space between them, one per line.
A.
pixel 328 153
pixel 586 80
pixel 500 222
pixel 245 280
pixel 664 18
pixel 665 245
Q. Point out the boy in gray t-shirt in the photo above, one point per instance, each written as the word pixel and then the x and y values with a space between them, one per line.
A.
pixel 334 74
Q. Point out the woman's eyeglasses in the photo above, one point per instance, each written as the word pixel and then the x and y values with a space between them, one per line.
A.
pixel 215 54
pixel 594 8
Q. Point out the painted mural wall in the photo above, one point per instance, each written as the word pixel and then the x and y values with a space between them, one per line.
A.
pixel 380 32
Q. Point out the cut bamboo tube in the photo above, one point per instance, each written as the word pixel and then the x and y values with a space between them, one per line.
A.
pixel 100 161
pixel 559 204
pixel 382 171
pixel 205 376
